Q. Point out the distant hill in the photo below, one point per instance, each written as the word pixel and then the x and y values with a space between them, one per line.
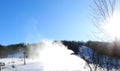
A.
pixel 105 48
pixel 73 45
pixel 11 49
pixel 111 49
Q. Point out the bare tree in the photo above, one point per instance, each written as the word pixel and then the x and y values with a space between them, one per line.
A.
pixel 102 11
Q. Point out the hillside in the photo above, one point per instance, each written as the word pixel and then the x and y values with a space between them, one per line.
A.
pixel 59 55
pixel 51 56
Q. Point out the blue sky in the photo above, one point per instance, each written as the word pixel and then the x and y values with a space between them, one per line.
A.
pixel 30 21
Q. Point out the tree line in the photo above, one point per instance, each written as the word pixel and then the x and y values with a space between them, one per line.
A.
pixel 104 48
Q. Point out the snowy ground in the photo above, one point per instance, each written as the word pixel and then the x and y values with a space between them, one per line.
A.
pixel 17 64
pixel 53 57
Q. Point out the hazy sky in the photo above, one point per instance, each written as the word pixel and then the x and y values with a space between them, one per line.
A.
pixel 34 20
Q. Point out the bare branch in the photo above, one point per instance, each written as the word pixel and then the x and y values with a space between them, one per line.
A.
pixel 102 11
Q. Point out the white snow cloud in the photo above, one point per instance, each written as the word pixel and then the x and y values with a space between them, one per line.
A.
pixel 55 56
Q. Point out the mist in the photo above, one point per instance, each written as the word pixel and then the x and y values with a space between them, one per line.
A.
pixel 55 56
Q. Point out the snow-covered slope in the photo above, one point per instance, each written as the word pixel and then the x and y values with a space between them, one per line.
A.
pixel 86 52
pixel 52 57
pixel 16 64
pixel 101 62
pixel 56 57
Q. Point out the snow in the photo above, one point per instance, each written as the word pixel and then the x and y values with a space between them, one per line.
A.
pixel 36 65
pixel 53 57
pixel 104 63
pixel 19 66
pixel 86 52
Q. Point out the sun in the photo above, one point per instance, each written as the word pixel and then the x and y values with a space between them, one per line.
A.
pixel 112 25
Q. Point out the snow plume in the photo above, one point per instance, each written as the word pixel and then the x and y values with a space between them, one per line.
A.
pixel 54 56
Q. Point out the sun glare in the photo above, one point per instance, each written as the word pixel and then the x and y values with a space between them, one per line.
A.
pixel 112 25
